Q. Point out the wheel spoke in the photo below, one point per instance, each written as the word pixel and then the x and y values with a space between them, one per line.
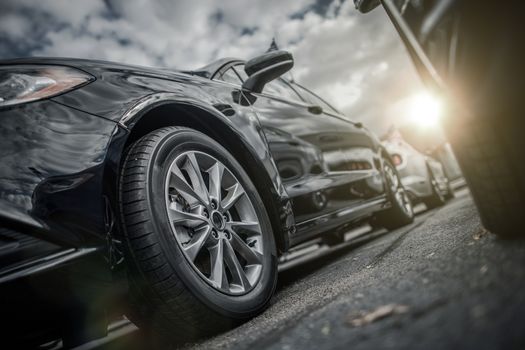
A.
pixel 218 273
pixel 194 172
pixel 237 272
pixel 178 181
pixel 193 248
pixel 248 253
pixel 248 228
pixel 234 193
pixel 215 182
pixel 182 218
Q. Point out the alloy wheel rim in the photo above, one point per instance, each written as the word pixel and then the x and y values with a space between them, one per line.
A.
pixel 404 202
pixel 214 222
pixel 399 192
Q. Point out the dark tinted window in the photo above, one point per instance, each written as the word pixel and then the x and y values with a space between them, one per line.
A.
pixel 435 25
pixel 239 68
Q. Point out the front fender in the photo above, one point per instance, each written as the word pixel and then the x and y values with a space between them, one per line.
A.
pixel 238 130
pixel 132 97
pixel 52 160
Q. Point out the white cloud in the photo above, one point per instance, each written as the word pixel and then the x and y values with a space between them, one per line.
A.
pixel 355 61
pixel 14 26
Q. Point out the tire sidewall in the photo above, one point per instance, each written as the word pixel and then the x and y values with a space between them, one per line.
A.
pixel 393 194
pixel 239 306
pixel 436 198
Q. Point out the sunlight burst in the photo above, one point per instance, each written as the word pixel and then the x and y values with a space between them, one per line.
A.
pixel 425 110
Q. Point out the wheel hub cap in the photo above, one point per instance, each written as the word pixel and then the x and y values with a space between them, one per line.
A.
pixel 217 220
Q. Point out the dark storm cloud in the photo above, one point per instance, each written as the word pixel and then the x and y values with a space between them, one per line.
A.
pixel 356 61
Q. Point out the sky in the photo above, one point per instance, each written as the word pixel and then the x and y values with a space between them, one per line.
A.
pixel 357 62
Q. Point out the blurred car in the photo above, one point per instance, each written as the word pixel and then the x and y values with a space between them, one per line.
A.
pixel 422 176
pixel 446 157
pixel 471 53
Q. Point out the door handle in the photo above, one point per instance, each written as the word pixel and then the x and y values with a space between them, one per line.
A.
pixel 315 109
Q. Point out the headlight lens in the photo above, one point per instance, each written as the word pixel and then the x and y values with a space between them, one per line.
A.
pixel 25 83
pixel 397 159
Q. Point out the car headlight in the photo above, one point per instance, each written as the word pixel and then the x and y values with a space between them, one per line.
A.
pixel 25 83
pixel 397 159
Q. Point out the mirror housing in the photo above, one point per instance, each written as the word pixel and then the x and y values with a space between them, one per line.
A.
pixel 365 6
pixel 265 68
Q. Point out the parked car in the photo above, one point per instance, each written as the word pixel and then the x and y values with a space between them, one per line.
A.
pixel 176 189
pixel 469 53
pixel 446 157
pixel 422 176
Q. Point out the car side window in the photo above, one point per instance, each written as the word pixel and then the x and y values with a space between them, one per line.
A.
pixel 229 76
pixel 239 68
pixel 280 88
pixel 314 99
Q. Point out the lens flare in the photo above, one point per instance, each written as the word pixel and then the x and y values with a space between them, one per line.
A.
pixel 425 110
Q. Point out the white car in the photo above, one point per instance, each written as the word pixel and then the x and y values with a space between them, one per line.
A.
pixel 422 176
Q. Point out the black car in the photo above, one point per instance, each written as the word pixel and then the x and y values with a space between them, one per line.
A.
pixel 175 191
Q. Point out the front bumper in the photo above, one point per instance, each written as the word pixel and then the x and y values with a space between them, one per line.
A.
pixel 52 161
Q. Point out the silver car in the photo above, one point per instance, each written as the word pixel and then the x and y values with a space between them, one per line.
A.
pixel 422 176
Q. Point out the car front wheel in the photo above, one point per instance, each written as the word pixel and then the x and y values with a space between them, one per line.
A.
pixel 436 198
pixel 200 247
pixel 401 211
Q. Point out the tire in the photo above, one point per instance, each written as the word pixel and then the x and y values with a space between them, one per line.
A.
pixel 450 192
pixel 436 199
pixel 489 149
pixel 180 292
pixel 401 211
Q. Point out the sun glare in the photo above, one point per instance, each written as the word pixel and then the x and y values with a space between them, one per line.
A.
pixel 425 110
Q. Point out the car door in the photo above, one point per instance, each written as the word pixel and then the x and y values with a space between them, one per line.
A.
pixel 328 165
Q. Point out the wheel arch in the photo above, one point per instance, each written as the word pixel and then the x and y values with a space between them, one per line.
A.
pixel 172 112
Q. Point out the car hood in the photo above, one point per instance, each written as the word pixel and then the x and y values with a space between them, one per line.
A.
pixel 93 66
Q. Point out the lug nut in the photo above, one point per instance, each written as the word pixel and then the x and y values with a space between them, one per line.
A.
pixel 214 234
pixel 228 234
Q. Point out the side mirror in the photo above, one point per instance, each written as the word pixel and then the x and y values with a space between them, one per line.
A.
pixel 265 68
pixel 365 6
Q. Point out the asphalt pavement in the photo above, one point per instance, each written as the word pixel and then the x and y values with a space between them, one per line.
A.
pixel 441 283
